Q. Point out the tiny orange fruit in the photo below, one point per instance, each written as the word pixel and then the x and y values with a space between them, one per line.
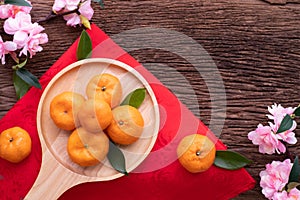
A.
pixel 15 144
pixel 196 153
pixel 105 86
pixel 126 126
pixel 64 108
pixel 95 115
pixel 87 149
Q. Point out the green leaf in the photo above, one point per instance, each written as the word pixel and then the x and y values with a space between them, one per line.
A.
pixel 84 47
pixel 135 98
pixel 285 124
pixel 230 160
pixel 297 111
pixel 28 77
pixel 116 158
pixel 17 2
pixel 295 172
pixel 100 2
pixel 21 86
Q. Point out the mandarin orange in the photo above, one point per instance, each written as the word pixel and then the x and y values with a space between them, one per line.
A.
pixel 107 87
pixel 64 108
pixel 95 115
pixel 87 149
pixel 15 144
pixel 196 153
pixel 126 126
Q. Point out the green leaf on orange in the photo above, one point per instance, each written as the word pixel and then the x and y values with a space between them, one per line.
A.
pixel 84 48
pixel 135 98
pixel 230 160
pixel 285 124
pixel 116 158
pixel 17 2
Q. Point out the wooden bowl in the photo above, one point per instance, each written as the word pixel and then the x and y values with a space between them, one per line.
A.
pixel 58 173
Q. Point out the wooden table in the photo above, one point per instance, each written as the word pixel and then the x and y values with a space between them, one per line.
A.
pixel 255 46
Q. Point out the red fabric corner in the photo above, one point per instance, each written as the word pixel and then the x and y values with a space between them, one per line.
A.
pixel 163 177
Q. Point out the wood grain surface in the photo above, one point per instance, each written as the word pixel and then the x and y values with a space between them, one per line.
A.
pixel 254 44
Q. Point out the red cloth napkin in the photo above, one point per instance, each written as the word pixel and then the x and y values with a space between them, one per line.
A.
pixel 162 175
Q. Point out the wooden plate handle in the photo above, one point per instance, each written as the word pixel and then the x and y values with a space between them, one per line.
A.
pixel 53 180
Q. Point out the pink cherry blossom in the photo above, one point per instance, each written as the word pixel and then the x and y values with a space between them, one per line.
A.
pixel 278 113
pixel 66 5
pixel 8 10
pixel 31 43
pixel 275 177
pixel 5 48
pixel 21 23
pixel 288 136
pixel 72 19
pixel 294 194
pixel 72 4
pixel 85 9
pixel 266 139
pixel 58 5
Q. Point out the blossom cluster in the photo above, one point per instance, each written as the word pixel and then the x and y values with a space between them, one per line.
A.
pixel 27 36
pixel 83 11
pixel 267 137
pixel 23 38
pixel 274 181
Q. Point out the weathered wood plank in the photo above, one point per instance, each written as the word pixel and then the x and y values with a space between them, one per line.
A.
pixel 255 46
pixel 282 2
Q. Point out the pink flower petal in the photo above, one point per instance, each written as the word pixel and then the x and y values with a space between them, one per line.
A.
pixel 72 4
pixel 72 19
pixel 32 41
pixel 20 38
pixel 22 22
pixel 5 12
pixel 58 5
pixel 9 10
pixel 86 10
pixel 10 46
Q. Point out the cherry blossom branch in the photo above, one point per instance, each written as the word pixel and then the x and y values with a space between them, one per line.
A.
pixel 53 15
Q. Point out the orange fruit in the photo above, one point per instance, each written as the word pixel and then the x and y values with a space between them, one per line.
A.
pixel 87 149
pixel 64 108
pixel 196 153
pixel 105 86
pixel 95 115
pixel 126 126
pixel 15 144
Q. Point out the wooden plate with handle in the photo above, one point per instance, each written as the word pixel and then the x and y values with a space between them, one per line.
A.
pixel 58 173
